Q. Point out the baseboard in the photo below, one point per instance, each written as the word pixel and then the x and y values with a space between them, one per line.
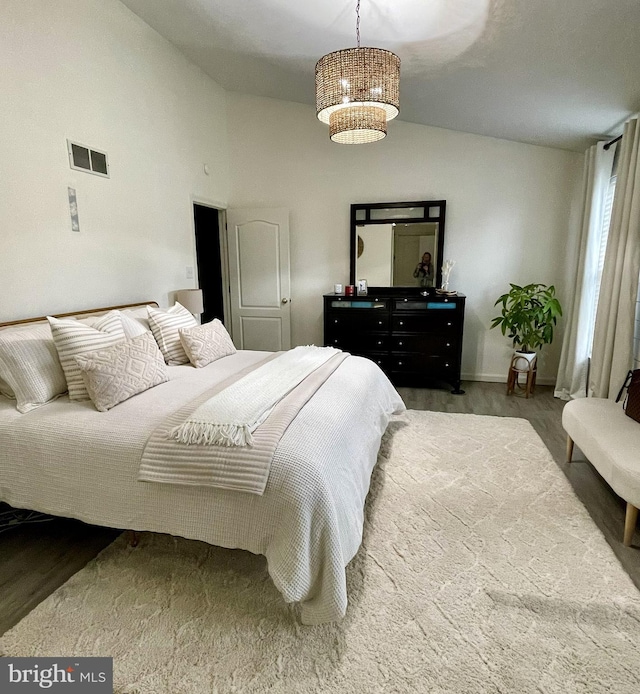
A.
pixel 501 378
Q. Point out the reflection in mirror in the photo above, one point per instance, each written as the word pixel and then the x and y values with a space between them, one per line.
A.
pixel 397 254
pixel 398 244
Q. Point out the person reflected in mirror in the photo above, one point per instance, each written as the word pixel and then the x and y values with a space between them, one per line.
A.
pixel 424 270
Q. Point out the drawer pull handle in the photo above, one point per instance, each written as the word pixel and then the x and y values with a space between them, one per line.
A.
pixel 448 344
pixel 379 342
pixel 448 323
pixel 400 343
pixel 335 320
pixel 401 322
pixel 446 364
pixel 379 322
pixel 335 342
pixel 399 363
pixel 405 300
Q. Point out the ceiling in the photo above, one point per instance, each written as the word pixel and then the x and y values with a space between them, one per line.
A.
pixel 559 73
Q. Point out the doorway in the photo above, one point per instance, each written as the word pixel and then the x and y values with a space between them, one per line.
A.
pixel 209 259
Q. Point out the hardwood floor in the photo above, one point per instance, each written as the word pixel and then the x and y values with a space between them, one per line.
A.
pixel 36 559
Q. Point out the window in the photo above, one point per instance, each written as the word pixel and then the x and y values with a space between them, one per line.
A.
pixel 604 236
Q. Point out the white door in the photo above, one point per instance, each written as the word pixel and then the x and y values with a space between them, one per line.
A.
pixel 258 242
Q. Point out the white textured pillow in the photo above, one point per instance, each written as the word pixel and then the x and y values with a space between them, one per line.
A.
pixel 72 338
pixel 132 327
pixel 139 315
pixel 117 373
pixel 30 367
pixel 165 324
pixel 206 343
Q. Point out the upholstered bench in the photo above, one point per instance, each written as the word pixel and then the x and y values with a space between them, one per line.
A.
pixel 611 443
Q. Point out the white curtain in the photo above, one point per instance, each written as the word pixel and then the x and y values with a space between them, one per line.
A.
pixel 614 330
pixel 580 309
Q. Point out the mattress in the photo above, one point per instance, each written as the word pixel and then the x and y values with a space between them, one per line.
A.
pixel 68 459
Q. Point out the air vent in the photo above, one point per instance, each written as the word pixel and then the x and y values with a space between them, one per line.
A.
pixel 83 158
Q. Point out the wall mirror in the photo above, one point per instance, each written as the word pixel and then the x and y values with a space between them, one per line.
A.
pixel 398 244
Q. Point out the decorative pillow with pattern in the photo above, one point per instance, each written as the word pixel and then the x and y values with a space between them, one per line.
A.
pixel 165 324
pixel 73 338
pixel 117 373
pixel 30 367
pixel 206 343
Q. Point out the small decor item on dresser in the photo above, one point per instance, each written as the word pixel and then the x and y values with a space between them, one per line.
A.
pixel 447 266
pixel 631 402
pixel 337 289
pixel 349 290
pixel 362 288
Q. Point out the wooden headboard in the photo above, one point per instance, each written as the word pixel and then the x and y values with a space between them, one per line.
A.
pixel 74 314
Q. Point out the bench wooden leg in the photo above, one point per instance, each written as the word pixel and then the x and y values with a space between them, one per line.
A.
pixel 630 521
pixel 569 448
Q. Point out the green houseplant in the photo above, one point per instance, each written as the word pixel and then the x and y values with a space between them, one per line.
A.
pixel 529 315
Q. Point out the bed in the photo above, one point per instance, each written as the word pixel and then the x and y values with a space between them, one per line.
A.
pixel 68 459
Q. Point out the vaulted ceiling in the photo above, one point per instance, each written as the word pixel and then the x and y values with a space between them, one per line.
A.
pixel 559 73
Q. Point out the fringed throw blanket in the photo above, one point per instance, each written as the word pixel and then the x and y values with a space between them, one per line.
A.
pixel 263 422
pixel 230 417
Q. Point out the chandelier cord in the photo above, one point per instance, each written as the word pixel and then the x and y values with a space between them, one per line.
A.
pixel 358 23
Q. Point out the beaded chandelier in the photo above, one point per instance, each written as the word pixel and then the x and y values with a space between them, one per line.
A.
pixel 357 91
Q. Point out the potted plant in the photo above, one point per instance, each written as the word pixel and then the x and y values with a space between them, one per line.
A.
pixel 529 315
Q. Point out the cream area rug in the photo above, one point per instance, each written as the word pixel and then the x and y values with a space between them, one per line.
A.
pixel 480 572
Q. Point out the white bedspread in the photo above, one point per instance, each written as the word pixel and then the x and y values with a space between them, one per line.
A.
pixel 241 468
pixel 70 460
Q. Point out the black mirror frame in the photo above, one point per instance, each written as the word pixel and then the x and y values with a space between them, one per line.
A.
pixel 428 205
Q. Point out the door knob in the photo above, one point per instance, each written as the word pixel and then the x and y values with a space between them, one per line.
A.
pixel 285 301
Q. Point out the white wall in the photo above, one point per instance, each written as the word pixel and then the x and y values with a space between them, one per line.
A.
pixel 92 71
pixel 508 209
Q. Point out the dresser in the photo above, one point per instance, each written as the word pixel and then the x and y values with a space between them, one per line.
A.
pixel 416 340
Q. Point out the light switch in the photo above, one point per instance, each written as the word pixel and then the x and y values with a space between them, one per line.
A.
pixel 189 272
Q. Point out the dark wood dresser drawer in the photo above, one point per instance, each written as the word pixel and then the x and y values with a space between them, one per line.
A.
pixel 425 322
pixel 359 343
pixel 370 319
pixel 426 342
pixel 381 359
pixel 426 364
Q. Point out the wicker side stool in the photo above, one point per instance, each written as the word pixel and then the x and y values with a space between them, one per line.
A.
pixel 521 365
